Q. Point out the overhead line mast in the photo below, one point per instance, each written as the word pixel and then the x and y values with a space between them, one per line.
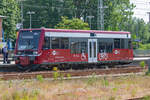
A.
pixel 100 15
pixel 22 14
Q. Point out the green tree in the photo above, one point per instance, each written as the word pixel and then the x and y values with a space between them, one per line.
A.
pixel 48 12
pixel 117 14
pixel 139 29
pixel 75 23
pixel 10 9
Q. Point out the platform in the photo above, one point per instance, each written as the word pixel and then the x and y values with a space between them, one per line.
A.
pixel 12 63
pixel 141 58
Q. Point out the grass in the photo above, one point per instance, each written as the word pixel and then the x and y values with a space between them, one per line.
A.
pixel 92 88
pixel 146 98
pixel 91 80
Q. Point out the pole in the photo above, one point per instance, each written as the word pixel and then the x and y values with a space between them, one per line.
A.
pixel 22 14
pixel 90 23
pixel 30 13
pixel 90 18
pixel 30 21
pixel 100 15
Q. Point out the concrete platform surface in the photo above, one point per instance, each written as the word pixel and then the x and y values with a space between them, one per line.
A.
pixel 10 59
pixel 141 58
pixel 11 62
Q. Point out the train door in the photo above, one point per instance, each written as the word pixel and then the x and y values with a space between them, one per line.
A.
pixel 92 50
pixel 46 48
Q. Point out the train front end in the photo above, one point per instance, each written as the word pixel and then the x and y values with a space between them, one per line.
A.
pixel 27 49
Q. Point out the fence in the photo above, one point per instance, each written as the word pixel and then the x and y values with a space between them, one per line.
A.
pixel 138 53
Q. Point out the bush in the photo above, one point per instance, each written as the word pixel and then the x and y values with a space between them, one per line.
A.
pixel 142 64
pixel 68 76
pixel 147 73
pixel 144 46
pixel 39 78
pixel 146 98
pixel 56 75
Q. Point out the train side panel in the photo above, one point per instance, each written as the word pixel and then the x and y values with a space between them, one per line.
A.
pixel 61 56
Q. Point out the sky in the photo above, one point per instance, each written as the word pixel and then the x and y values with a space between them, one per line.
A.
pixel 142 8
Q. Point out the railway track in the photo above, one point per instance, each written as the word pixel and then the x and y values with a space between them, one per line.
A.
pixel 136 99
pixel 72 73
pixel 118 71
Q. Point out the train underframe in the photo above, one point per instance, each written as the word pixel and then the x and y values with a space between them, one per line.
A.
pixel 30 63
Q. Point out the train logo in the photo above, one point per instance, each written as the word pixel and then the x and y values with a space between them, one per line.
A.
pixel 83 56
pixel 103 55
pixel 117 52
pixel 54 53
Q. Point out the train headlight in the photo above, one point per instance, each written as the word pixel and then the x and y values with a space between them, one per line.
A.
pixel 35 52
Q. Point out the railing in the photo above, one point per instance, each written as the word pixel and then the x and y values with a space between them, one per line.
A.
pixel 140 53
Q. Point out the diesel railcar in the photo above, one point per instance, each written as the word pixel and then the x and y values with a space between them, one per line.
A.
pixel 48 47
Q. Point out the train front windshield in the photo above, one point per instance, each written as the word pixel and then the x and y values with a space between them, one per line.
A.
pixel 28 40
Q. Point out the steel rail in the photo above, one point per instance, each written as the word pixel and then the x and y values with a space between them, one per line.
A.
pixel 72 73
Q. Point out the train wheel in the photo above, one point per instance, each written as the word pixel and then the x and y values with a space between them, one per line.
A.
pixel 63 66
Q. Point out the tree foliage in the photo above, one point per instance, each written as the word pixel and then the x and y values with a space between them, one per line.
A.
pixel 75 23
pixel 48 13
pixel 117 14
pixel 140 30
pixel 10 9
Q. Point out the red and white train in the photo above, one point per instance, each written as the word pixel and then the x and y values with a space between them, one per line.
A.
pixel 36 47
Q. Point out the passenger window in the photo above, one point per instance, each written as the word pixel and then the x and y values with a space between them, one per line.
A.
pixel 55 43
pixel 109 47
pixel 46 44
pixel 75 47
pixel 117 43
pixel 78 47
pixel 122 44
pixel 83 48
pixel 105 47
pixel 102 47
pixel 64 43
pixel 60 43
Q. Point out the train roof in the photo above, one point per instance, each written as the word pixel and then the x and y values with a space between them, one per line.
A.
pixel 81 31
